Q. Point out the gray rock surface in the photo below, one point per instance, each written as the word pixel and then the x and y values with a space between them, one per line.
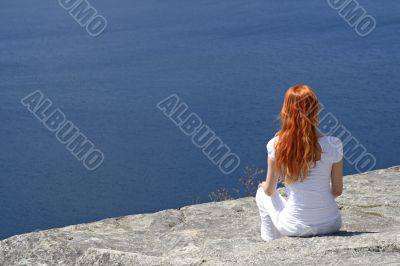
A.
pixel 225 233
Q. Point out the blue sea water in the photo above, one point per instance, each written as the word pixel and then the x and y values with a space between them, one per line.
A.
pixel 229 60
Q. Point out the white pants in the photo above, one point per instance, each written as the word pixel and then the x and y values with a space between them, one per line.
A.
pixel 275 222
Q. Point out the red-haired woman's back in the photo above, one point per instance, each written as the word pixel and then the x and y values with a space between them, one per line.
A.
pixel 311 165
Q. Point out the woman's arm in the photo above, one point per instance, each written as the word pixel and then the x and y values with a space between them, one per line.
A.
pixel 271 181
pixel 337 179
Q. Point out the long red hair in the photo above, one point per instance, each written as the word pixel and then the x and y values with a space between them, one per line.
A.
pixel 297 147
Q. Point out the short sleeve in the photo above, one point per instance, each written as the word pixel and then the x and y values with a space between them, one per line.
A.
pixel 337 149
pixel 271 149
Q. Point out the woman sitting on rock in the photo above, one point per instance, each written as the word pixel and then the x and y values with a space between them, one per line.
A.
pixel 311 167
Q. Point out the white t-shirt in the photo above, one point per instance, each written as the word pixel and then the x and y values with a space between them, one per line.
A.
pixel 310 201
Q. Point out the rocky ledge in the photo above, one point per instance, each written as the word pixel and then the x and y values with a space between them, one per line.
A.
pixel 225 233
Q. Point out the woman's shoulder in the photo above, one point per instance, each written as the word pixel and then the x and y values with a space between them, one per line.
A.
pixel 332 141
pixel 333 146
pixel 271 147
pixel 271 142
